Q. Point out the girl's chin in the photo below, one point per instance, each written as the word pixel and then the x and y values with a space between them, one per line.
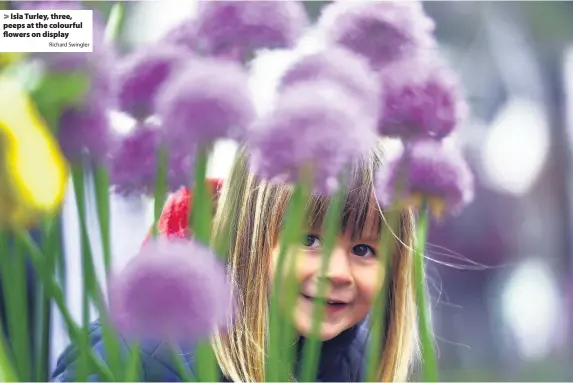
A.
pixel 330 327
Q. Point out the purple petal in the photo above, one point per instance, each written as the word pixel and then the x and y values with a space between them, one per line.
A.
pixel 339 65
pixel 422 98
pixel 427 169
pixel 134 165
pixel 172 290
pixel 208 100
pixel 317 124
pixel 85 133
pixel 246 26
pixel 141 74
pixel 381 31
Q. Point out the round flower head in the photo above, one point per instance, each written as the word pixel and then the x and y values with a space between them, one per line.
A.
pixel 239 28
pixel 134 163
pixel 207 100
pixel 174 290
pixel 142 73
pixel 315 124
pixel 426 170
pixel 381 31
pixel 85 133
pixel 421 98
pixel 339 65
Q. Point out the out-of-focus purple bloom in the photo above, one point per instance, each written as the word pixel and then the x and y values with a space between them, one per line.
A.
pixel 207 100
pixel 381 31
pixel 339 65
pixel 316 124
pixel 241 27
pixel 174 290
pixel 427 170
pixel 85 133
pixel 142 73
pixel 183 34
pixel 422 98
pixel 134 164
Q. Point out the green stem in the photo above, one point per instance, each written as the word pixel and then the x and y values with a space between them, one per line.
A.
pixel 57 295
pixel 183 371
pixel 430 370
pixel 386 243
pixel 101 182
pixel 311 350
pixel 7 371
pixel 6 258
pixel 43 307
pixel 91 286
pixel 18 311
pixel 200 217
pixel 160 187
pixel 278 367
pixel 115 21
pixel 79 189
pixel 132 371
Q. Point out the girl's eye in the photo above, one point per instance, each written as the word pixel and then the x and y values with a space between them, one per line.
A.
pixel 311 241
pixel 363 251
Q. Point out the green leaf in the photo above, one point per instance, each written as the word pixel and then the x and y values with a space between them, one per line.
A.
pixel 430 367
pixel 311 350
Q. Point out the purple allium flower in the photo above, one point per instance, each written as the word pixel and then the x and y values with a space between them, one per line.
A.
pixel 85 132
pixel 422 98
pixel 207 100
pixel 381 31
pixel 183 34
pixel 242 27
pixel 142 73
pixel 174 290
pixel 427 169
pixel 342 66
pixel 316 124
pixel 134 163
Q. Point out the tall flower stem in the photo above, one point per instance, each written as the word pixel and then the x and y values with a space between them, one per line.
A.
pixel 200 218
pixel 386 244
pixel 278 366
pixel 311 350
pixel 14 280
pixel 7 372
pixel 50 239
pixel 430 369
pixel 57 295
pixel 91 287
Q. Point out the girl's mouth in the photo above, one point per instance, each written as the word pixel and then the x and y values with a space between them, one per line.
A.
pixel 332 306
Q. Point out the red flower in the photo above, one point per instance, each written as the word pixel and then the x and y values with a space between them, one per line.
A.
pixel 174 220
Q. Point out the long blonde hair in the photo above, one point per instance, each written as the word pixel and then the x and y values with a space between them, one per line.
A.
pixel 249 215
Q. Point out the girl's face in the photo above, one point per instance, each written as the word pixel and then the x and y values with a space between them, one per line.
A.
pixel 353 278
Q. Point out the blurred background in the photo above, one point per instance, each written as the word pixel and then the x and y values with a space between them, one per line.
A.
pixel 501 274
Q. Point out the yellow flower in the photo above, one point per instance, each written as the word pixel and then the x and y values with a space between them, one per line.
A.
pixel 8 58
pixel 33 171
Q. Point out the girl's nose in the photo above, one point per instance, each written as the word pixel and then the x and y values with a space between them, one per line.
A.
pixel 339 268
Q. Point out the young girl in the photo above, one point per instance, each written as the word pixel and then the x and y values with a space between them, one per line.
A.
pixel 254 210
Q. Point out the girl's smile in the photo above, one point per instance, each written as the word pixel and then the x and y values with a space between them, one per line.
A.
pixel 333 305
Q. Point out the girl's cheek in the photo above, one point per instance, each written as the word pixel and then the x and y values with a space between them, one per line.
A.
pixel 369 281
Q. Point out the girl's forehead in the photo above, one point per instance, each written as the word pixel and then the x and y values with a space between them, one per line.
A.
pixel 361 219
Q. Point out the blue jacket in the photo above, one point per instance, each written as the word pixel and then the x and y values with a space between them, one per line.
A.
pixel 342 358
